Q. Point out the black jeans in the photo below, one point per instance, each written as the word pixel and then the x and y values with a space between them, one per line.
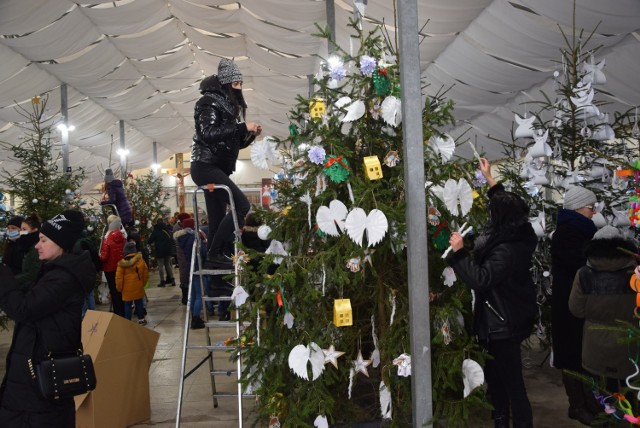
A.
pixel 116 296
pixel 505 382
pixel 221 227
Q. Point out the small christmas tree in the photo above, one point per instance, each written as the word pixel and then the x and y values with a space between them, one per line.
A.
pixel 147 198
pixel 37 183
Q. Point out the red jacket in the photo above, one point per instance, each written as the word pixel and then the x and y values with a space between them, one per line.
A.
pixel 111 251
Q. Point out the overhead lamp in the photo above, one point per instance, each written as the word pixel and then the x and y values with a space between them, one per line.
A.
pixel 155 167
pixel 63 127
pixel 123 152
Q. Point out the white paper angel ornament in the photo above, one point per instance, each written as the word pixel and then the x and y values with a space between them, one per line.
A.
pixel 330 219
pixel 358 222
pixel 444 146
pixel 391 111
pixel 525 127
pixel 472 376
pixel 458 193
pixel 301 356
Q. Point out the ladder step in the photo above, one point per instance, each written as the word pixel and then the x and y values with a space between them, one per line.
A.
pixel 217 299
pixel 212 347
pixel 214 272
pixel 223 372
pixel 220 324
pixel 231 394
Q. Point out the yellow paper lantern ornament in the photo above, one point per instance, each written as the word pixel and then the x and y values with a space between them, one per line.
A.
pixel 372 168
pixel 342 314
pixel 317 108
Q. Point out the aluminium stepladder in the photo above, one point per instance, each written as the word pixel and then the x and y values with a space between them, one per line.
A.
pixel 196 268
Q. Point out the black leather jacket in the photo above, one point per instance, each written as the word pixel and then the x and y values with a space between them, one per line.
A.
pixel 220 132
pixel 499 273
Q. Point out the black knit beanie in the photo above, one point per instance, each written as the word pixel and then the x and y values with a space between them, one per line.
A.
pixel 64 229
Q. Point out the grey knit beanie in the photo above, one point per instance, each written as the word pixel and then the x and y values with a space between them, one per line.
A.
pixel 608 232
pixel 577 197
pixel 228 72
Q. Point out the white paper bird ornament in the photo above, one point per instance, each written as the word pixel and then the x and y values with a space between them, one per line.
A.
pixel 621 218
pixel 444 146
pixel 391 111
pixel 540 148
pixel 525 127
pixel 301 356
pixel 330 219
pixel 358 222
pixel 264 153
pixel 458 193
pixel 593 72
pixel 472 376
pixel 598 219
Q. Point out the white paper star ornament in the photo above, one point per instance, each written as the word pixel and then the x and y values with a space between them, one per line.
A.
pixel 331 355
pixel 360 364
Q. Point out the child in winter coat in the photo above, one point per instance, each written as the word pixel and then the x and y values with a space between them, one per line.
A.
pixel 131 276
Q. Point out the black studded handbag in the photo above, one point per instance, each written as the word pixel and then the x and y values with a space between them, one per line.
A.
pixel 64 376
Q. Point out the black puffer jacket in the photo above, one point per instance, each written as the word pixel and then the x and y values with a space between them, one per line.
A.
pixel 48 318
pixel 499 273
pixel 220 131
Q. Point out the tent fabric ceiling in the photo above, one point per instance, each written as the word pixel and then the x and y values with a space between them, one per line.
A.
pixel 141 61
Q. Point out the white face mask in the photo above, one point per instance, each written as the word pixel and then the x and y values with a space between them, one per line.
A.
pixel 24 232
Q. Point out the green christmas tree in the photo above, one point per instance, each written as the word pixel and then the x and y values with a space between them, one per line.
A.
pixel 338 232
pixel 38 184
pixel 147 198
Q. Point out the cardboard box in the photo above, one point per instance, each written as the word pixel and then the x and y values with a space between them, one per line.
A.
pixel 122 352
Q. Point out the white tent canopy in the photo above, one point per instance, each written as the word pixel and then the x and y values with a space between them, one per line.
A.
pixel 141 61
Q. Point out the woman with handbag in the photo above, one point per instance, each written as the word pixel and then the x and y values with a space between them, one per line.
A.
pixel 505 300
pixel 48 320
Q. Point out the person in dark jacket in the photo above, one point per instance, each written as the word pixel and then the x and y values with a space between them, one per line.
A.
pixel 162 238
pixel 574 230
pixel 29 233
pixel 183 264
pixel 505 298
pixel 12 255
pixel 221 132
pixel 117 196
pixel 48 319
pixel 602 297
pixel 185 242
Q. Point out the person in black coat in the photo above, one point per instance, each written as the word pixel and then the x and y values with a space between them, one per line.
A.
pixel 162 238
pixel 116 195
pixel 221 132
pixel 48 319
pixel 574 231
pixel 505 298
pixel 12 255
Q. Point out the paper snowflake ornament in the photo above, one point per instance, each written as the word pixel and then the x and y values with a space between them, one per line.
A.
pixel 367 65
pixel 331 219
pixel 302 356
pixel 360 364
pixel 472 376
pixel 443 145
pixel 264 154
pixel 317 154
pixel 331 355
pixel 358 222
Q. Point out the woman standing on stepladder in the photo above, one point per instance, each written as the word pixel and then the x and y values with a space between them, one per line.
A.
pixel 221 132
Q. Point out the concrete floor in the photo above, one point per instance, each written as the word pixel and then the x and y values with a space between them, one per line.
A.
pixel 166 315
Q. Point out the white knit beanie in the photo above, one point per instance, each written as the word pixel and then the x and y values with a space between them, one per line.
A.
pixel 577 197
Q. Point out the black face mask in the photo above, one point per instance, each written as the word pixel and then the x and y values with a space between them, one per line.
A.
pixel 237 93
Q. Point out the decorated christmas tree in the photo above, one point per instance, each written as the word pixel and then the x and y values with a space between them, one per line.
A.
pixel 328 306
pixel 147 198
pixel 38 184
